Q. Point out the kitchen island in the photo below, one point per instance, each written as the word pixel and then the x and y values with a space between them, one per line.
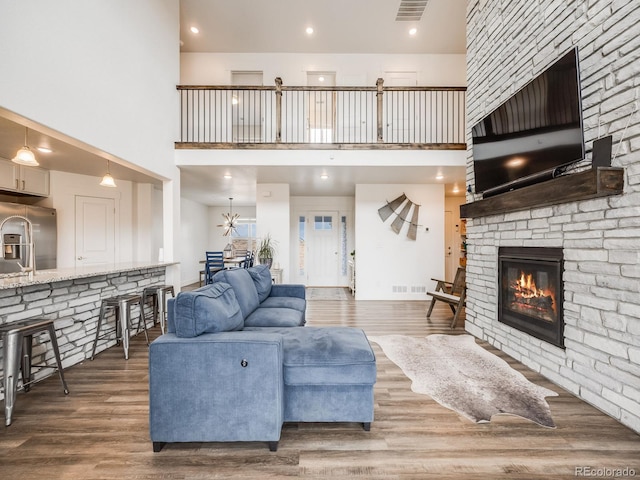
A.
pixel 72 297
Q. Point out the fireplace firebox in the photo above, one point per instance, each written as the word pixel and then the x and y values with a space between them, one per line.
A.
pixel 530 291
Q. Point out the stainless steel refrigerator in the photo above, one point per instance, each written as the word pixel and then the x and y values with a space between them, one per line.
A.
pixel 14 237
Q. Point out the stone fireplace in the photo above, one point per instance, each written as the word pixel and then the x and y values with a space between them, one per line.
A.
pixel 597 229
pixel 530 291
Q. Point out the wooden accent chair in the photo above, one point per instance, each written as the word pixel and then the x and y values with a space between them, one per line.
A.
pixel 452 293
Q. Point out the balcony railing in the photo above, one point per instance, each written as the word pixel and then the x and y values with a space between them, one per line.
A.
pixel 322 117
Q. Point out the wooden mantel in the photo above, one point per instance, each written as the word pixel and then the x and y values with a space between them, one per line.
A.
pixel 592 183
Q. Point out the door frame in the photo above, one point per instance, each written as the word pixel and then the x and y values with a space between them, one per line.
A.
pixel 306 211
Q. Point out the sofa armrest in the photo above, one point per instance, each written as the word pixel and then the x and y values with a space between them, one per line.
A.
pixel 216 387
pixel 170 328
pixel 288 290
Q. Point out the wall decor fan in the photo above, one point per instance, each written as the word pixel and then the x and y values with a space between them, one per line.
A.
pixel 390 208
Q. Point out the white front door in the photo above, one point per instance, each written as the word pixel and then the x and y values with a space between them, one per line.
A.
pixel 95 230
pixel 323 249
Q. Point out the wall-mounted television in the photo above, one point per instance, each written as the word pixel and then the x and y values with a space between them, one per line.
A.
pixel 533 133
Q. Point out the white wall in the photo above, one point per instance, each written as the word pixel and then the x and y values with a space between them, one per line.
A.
pixel 143 221
pixel 273 218
pixel 351 69
pixel 157 225
pixel 64 187
pixel 384 259
pixel 103 72
pixel 194 235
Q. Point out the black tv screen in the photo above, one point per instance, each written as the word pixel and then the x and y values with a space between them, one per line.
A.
pixel 536 130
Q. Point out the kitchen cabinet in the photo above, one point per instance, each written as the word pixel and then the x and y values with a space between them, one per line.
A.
pixel 23 180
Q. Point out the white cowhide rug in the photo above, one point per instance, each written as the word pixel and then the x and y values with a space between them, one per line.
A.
pixel 461 375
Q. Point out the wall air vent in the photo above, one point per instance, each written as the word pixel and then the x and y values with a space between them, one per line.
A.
pixel 411 10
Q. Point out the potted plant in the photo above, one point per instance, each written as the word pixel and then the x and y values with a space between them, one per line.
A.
pixel 266 250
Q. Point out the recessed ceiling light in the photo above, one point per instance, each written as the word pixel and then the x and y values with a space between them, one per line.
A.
pixel 413 31
pixel 44 149
pixel 439 176
pixel 309 30
pixel 321 79
pixel 456 189
pixel 227 176
pixel 194 30
pixel 324 176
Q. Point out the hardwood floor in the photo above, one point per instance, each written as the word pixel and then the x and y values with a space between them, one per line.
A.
pixel 100 431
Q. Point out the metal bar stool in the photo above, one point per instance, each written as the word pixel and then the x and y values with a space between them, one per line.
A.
pixel 122 305
pixel 17 341
pixel 158 293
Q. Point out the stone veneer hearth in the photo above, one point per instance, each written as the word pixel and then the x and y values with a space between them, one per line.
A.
pixel 508 44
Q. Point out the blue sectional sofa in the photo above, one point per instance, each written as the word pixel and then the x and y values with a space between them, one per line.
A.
pixel 231 368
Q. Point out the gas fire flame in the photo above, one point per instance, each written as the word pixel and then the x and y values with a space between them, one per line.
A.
pixel 528 287
pixel 527 294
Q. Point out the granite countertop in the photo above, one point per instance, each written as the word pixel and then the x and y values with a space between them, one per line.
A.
pixel 60 274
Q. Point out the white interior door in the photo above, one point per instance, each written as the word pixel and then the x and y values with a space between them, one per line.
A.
pixel 95 230
pixel 323 249
pixel 449 247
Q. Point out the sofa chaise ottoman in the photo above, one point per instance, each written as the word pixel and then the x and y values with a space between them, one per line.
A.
pixel 214 379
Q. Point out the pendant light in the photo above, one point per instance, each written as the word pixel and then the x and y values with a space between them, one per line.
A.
pixel 230 221
pixel 25 156
pixel 107 180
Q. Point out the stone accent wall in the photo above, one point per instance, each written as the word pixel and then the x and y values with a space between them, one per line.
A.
pixel 75 306
pixel 509 42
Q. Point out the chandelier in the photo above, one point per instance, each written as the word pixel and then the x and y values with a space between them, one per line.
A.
pixel 230 221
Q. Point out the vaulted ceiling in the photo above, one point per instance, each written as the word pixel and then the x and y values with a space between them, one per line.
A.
pixel 353 26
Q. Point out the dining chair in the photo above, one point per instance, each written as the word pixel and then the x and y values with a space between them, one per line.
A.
pixel 248 260
pixel 214 262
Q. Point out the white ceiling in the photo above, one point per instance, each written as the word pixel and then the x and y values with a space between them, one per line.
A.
pixel 67 155
pixel 353 26
pixel 207 184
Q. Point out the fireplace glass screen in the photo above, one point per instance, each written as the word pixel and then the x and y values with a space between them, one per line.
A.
pixel 530 291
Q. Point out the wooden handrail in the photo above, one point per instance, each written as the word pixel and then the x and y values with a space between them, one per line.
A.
pixel 415 116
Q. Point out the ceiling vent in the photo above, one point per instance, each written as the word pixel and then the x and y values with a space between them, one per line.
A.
pixel 411 10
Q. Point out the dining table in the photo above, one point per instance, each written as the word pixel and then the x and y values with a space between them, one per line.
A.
pixel 231 261
pixel 234 261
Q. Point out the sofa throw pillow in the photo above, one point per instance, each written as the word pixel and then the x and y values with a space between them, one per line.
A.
pixel 261 276
pixel 207 310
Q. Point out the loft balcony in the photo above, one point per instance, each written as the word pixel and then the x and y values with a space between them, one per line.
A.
pixel 294 117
